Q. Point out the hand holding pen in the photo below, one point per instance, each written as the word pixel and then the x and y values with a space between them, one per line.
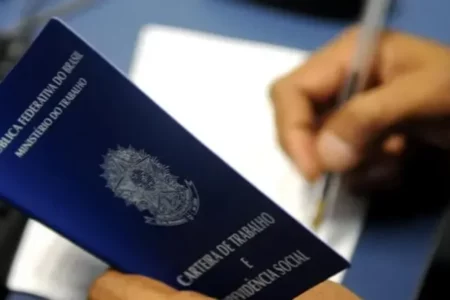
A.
pixel 359 70
pixel 407 97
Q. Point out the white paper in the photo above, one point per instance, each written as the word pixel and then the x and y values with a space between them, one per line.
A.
pixel 217 88
pixel 51 266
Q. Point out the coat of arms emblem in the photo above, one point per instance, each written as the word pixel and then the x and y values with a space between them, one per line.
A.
pixel 141 180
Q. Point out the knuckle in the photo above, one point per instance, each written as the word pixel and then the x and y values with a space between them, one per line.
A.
pixel 276 89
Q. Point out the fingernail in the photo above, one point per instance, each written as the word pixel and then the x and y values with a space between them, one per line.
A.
pixel 335 154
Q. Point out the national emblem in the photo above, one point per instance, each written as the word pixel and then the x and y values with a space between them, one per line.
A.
pixel 141 180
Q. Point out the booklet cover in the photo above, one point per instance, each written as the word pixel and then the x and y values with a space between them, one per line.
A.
pixel 85 152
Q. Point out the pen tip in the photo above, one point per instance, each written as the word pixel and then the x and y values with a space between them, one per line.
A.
pixel 318 219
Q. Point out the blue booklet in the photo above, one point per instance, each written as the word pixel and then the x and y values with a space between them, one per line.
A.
pixel 87 153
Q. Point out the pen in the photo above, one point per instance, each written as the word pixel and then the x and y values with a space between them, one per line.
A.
pixel 373 20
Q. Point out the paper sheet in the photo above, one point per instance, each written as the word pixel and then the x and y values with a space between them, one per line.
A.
pixel 217 87
pixel 48 265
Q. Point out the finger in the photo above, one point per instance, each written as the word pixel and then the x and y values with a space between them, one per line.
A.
pixel 189 295
pixel 294 122
pixel 381 168
pixel 116 286
pixel 293 96
pixel 394 144
pixel 401 53
pixel 382 173
pixel 328 290
pixel 431 131
pixel 348 132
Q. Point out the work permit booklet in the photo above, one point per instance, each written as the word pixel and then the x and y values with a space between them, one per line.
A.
pixel 88 154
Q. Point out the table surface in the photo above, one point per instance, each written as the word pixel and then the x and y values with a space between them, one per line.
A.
pixel 390 260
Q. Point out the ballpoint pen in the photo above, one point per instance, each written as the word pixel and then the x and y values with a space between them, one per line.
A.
pixel 372 23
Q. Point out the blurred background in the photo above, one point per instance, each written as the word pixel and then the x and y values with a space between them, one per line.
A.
pixel 404 249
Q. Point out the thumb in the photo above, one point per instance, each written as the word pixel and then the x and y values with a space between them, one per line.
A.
pixel 113 285
pixel 347 133
pixel 328 290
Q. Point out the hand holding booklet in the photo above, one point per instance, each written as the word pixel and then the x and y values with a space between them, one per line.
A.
pixel 88 154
